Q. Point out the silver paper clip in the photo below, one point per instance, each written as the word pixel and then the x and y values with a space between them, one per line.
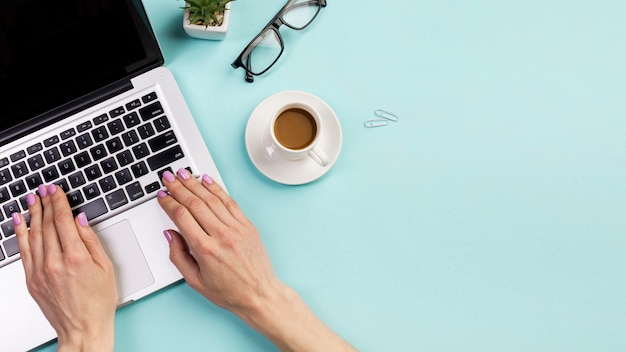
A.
pixel 387 115
pixel 376 123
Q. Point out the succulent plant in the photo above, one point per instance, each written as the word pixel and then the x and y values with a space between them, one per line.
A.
pixel 206 12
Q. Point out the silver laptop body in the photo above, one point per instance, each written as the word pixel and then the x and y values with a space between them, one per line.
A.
pixel 132 136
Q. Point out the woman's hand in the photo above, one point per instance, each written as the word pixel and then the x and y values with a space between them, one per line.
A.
pixel 67 272
pixel 220 254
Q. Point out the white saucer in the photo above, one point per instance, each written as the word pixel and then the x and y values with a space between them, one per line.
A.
pixel 286 171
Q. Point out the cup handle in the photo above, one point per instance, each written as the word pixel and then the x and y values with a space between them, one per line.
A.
pixel 319 157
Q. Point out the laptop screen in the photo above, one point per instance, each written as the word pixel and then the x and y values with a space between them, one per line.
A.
pixel 56 52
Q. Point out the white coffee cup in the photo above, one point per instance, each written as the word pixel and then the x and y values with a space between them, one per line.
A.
pixel 294 131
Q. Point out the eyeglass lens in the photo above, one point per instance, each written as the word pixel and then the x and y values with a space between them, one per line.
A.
pixel 267 46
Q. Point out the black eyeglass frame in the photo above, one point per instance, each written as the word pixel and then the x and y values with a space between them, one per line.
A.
pixel 273 25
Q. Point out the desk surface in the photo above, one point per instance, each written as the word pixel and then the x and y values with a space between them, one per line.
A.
pixel 489 218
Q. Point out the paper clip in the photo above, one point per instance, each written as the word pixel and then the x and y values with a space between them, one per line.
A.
pixel 387 115
pixel 376 123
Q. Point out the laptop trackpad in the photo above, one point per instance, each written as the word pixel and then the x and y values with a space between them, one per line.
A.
pixel 131 269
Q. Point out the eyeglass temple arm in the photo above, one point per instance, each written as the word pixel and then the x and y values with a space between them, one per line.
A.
pixel 249 76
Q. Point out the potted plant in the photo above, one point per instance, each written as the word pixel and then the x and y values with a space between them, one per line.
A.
pixel 206 19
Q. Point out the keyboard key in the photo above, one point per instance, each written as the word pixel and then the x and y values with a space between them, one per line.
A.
pixel 35 148
pixel 1 255
pixel 123 177
pixel 145 131
pixel 11 247
pixel 100 119
pixel 68 148
pixel 98 152
pixel 108 165
pixel 149 97
pixel 165 157
pixel 66 166
pixel 133 105
pixel 84 141
pixel 162 141
pixel 114 145
pixel 36 162
pixel 134 191
pixel 63 185
pixel 141 151
pixel 153 187
pixel 82 159
pixel 116 199
pixel 131 120
pixel 50 173
pixel 84 126
pixel 115 126
pixel 4 195
pixel 139 169
pixel 150 111
pixel 4 162
pixel 67 133
pixel 18 155
pixel 161 124
pixel 17 188
pixel 19 169
pixel 5 176
pixel 51 141
pixel 91 191
pixel 33 181
pixel 124 158
pixel 117 111
pixel 93 172
pixel 52 155
pixel 93 209
pixel 100 134
pixel 75 198
pixel 130 138
pixel 107 184
pixel 11 208
pixel 76 179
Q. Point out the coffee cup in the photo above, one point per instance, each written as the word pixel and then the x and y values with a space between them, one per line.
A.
pixel 294 131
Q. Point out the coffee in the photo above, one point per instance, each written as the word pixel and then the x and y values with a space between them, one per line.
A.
pixel 295 128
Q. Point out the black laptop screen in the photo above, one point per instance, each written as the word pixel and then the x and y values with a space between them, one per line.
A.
pixel 55 52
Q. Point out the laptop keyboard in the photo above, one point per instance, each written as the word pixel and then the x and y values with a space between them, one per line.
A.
pixel 105 165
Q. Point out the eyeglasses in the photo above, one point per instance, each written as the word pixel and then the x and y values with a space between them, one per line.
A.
pixel 268 45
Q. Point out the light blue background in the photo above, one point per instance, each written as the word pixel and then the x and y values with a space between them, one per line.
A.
pixel 489 218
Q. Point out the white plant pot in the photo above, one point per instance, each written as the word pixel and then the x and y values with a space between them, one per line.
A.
pixel 210 32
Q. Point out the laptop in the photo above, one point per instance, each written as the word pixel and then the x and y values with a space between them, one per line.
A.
pixel 87 104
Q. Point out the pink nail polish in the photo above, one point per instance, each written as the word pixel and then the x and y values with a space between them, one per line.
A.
pixel 168 176
pixel 168 236
pixel 183 173
pixel 161 194
pixel 52 188
pixel 82 219
pixel 16 219
pixel 207 179
pixel 43 191
pixel 30 199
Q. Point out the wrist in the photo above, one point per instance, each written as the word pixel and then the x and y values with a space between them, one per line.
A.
pixel 98 340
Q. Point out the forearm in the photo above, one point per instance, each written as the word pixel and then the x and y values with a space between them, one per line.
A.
pixel 285 319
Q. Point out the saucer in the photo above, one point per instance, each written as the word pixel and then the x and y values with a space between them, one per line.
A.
pixel 284 171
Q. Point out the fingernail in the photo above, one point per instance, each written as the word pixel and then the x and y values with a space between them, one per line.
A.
pixel 16 219
pixel 43 191
pixel 168 236
pixel 207 179
pixel 82 219
pixel 52 188
pixel 161 194
pixel 168 176
pixel 30 199
pixel 183 173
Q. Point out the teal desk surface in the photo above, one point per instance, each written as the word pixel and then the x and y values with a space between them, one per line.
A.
pixel 490 217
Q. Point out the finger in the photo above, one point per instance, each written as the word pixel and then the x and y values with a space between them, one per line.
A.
pixel 66 231
pixel 193 233
pixel 229 203
pixel 49 236
pixel 91 240
pixel 35 235
pixel 197 190
pixel 197 209
pixel 21 232
pixel 180 257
